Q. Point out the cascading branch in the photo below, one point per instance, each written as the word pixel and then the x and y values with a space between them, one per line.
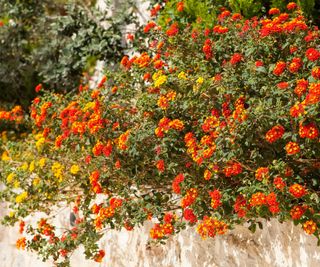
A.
pixel 207 127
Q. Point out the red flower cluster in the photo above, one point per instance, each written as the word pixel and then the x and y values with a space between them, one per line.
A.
pixel 189 216
pixel 180 6
pixel 308 131
pixel 160 165
pixel 173 30
pixel 232 169
pixel 236 58
pixel 176 183
pixel 297 190
pixel 241 206
pixel 275 133
pixel 279 68
pixel 207 48
pixel 312 54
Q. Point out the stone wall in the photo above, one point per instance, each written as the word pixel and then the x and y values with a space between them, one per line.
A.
pixel 277 244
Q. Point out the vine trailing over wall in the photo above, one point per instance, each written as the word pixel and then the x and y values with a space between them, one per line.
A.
pixel 208 127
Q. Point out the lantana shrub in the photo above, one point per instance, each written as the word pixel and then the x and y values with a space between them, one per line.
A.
pixel 208 128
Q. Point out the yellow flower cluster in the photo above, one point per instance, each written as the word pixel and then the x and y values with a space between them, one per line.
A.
pixel 20 198
pixel 57 170
pixel 74 169
pixel 5 156
pixel 40 143
pixel 42 162
pixel 159 78
pixel 182 75
pixel 10 177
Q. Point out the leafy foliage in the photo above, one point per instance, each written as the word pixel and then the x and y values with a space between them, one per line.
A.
pixel 55 43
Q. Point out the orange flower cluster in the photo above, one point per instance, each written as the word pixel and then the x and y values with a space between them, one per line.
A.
pixel 295 65
pixel 292 148
pixel 301 87
pixel 104 213
pixel 210 124
pixel 40 118
pixel 160 230
pixel 165 124
pixel 100 148
pixel 173 30
pixel 260 199
pixel 21 243
pixel 189 198
pixel 180 6
pixel 122 140
pixel 163 101
pixel 279 68
pixel 220 29
pixel 315 72
pixel 279 183
pixel 232 169
pixel 215 199
pixel 207 174
pixel 297 110
pixel 99 256
pixel 310 227
pixel 297 211
pixel 45 228
pixel 313 96
pixel 297 190
pixel 210 227
pixel 240 113
pixel 94 181
pixel 262 173
pixel 15 114
pixel 275 133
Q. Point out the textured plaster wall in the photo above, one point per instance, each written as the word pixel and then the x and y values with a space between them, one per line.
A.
pixel 277 244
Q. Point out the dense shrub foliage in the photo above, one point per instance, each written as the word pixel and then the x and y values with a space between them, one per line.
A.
pixel 210 128
pixel 193 9
pixel 53 42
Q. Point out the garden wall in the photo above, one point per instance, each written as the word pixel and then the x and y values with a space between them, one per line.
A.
pixel 276 245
